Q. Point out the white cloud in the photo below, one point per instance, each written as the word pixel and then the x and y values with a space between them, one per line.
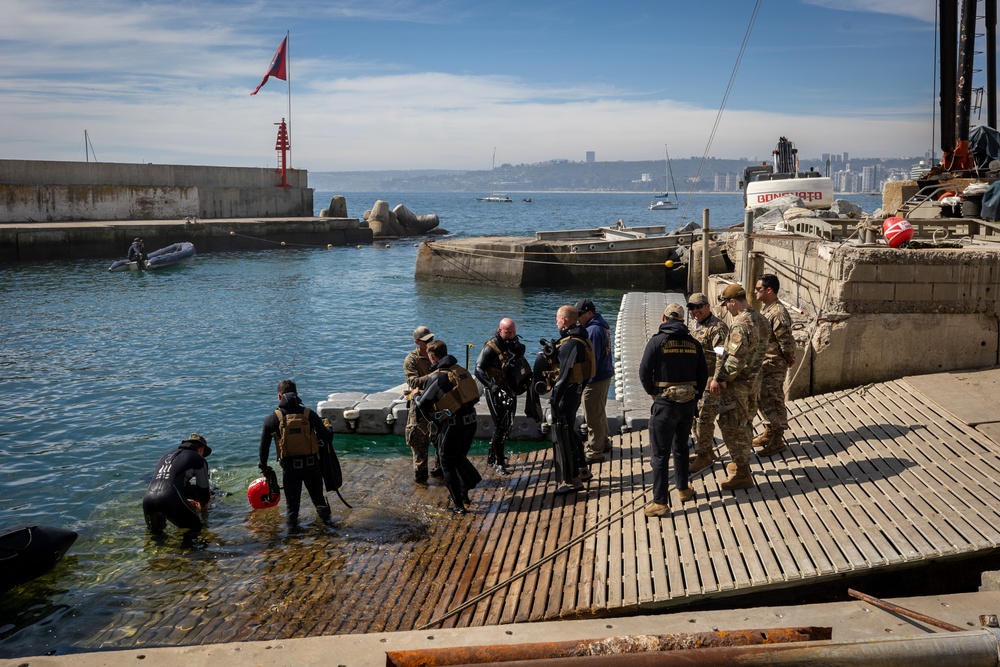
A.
pixel 923 10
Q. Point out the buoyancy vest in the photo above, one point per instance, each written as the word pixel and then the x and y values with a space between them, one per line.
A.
pixel 295 435
pixel 514 372
pixel 585 365
pixel 464 391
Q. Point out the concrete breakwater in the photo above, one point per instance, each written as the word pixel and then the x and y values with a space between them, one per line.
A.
pixel 630 258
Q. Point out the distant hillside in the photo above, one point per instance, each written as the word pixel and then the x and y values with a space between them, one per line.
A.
pixel 561 175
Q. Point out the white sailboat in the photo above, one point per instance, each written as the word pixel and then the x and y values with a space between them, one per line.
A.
pixel 663 202
pixel 494 196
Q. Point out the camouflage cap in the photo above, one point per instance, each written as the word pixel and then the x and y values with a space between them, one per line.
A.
pixel 697 299
pixel 674 311
pixel 733 291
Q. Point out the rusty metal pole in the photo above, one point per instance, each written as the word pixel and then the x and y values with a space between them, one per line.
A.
pixel 704 252
pixel 903 611
pixel 630 644
pixel 957 649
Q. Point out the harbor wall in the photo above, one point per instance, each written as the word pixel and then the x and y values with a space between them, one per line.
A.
pixel 80 240
pixel 872 313
pixel 526 262
pixel 51 191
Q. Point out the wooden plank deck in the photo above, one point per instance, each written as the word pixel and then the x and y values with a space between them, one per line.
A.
pixel 876 478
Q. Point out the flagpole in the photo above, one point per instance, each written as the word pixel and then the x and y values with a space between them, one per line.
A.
pixel 288 80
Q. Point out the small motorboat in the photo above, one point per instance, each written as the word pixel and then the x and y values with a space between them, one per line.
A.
pixel 158 259
pixel 27 552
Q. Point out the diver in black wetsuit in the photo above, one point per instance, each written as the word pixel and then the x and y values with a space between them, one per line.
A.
pixel 171 496
pixel 297 432
pixel 500 359
pixel 448 395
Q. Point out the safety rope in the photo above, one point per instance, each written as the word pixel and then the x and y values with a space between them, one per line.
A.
pixel 615 516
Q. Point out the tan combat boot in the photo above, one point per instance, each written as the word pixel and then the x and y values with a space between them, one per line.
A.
pixel 762 439
pixel 740 477
pixel 686 495
pixel 700 461
pixel 774 445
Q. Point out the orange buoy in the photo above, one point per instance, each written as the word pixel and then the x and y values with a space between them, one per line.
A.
pixel 946 194
pixel 260 496
pixel 897 231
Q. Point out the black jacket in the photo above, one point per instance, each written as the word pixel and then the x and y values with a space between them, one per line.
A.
pixel 673 355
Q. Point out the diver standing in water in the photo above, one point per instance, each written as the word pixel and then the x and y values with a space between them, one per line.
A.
pixel 297 432
pixel 500 364
pixel 447 397
pixel 171 495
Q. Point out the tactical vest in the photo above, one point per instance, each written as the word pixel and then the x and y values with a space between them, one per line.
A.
pixel 464 391
pixel 295 436
pixel 514 373
pixel 585 366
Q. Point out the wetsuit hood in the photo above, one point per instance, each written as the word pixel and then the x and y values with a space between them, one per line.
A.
pixel 577 331
pixel 290 402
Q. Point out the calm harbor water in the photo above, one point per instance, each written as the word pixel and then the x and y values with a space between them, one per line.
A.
pixel 104 372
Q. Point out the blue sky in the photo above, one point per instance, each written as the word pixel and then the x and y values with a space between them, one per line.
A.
pixel 437 84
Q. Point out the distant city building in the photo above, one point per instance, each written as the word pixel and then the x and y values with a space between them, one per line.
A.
pixel 591 157
pixel 646 178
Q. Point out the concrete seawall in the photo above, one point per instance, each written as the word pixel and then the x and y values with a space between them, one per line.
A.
pixel 49 191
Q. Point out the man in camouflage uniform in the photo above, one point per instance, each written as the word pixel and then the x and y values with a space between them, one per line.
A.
pixel 418 430
pixel 710 332
pixel 779 357
pixel 734 382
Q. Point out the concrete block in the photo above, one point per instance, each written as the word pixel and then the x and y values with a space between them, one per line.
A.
pixel 990 581
pixel 870 291
pixel 935 273
pixel 846 354
pixel 863 273
pixel 914 292
pixel 901 273
pixel 947 292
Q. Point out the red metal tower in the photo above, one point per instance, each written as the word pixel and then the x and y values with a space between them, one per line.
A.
pixel 282 146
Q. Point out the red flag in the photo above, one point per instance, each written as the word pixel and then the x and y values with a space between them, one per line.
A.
pixel 277 68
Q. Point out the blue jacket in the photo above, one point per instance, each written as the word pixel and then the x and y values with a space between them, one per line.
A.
pixel 599 332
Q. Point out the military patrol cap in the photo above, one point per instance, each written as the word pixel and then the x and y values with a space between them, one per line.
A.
pixel 697 299
pixel 423 334
pixel 585 306
pixel 733 291
pixel 200 441
pixel 674 311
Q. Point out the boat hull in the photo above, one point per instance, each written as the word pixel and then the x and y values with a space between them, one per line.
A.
pixel 816 192
pixel 28 552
